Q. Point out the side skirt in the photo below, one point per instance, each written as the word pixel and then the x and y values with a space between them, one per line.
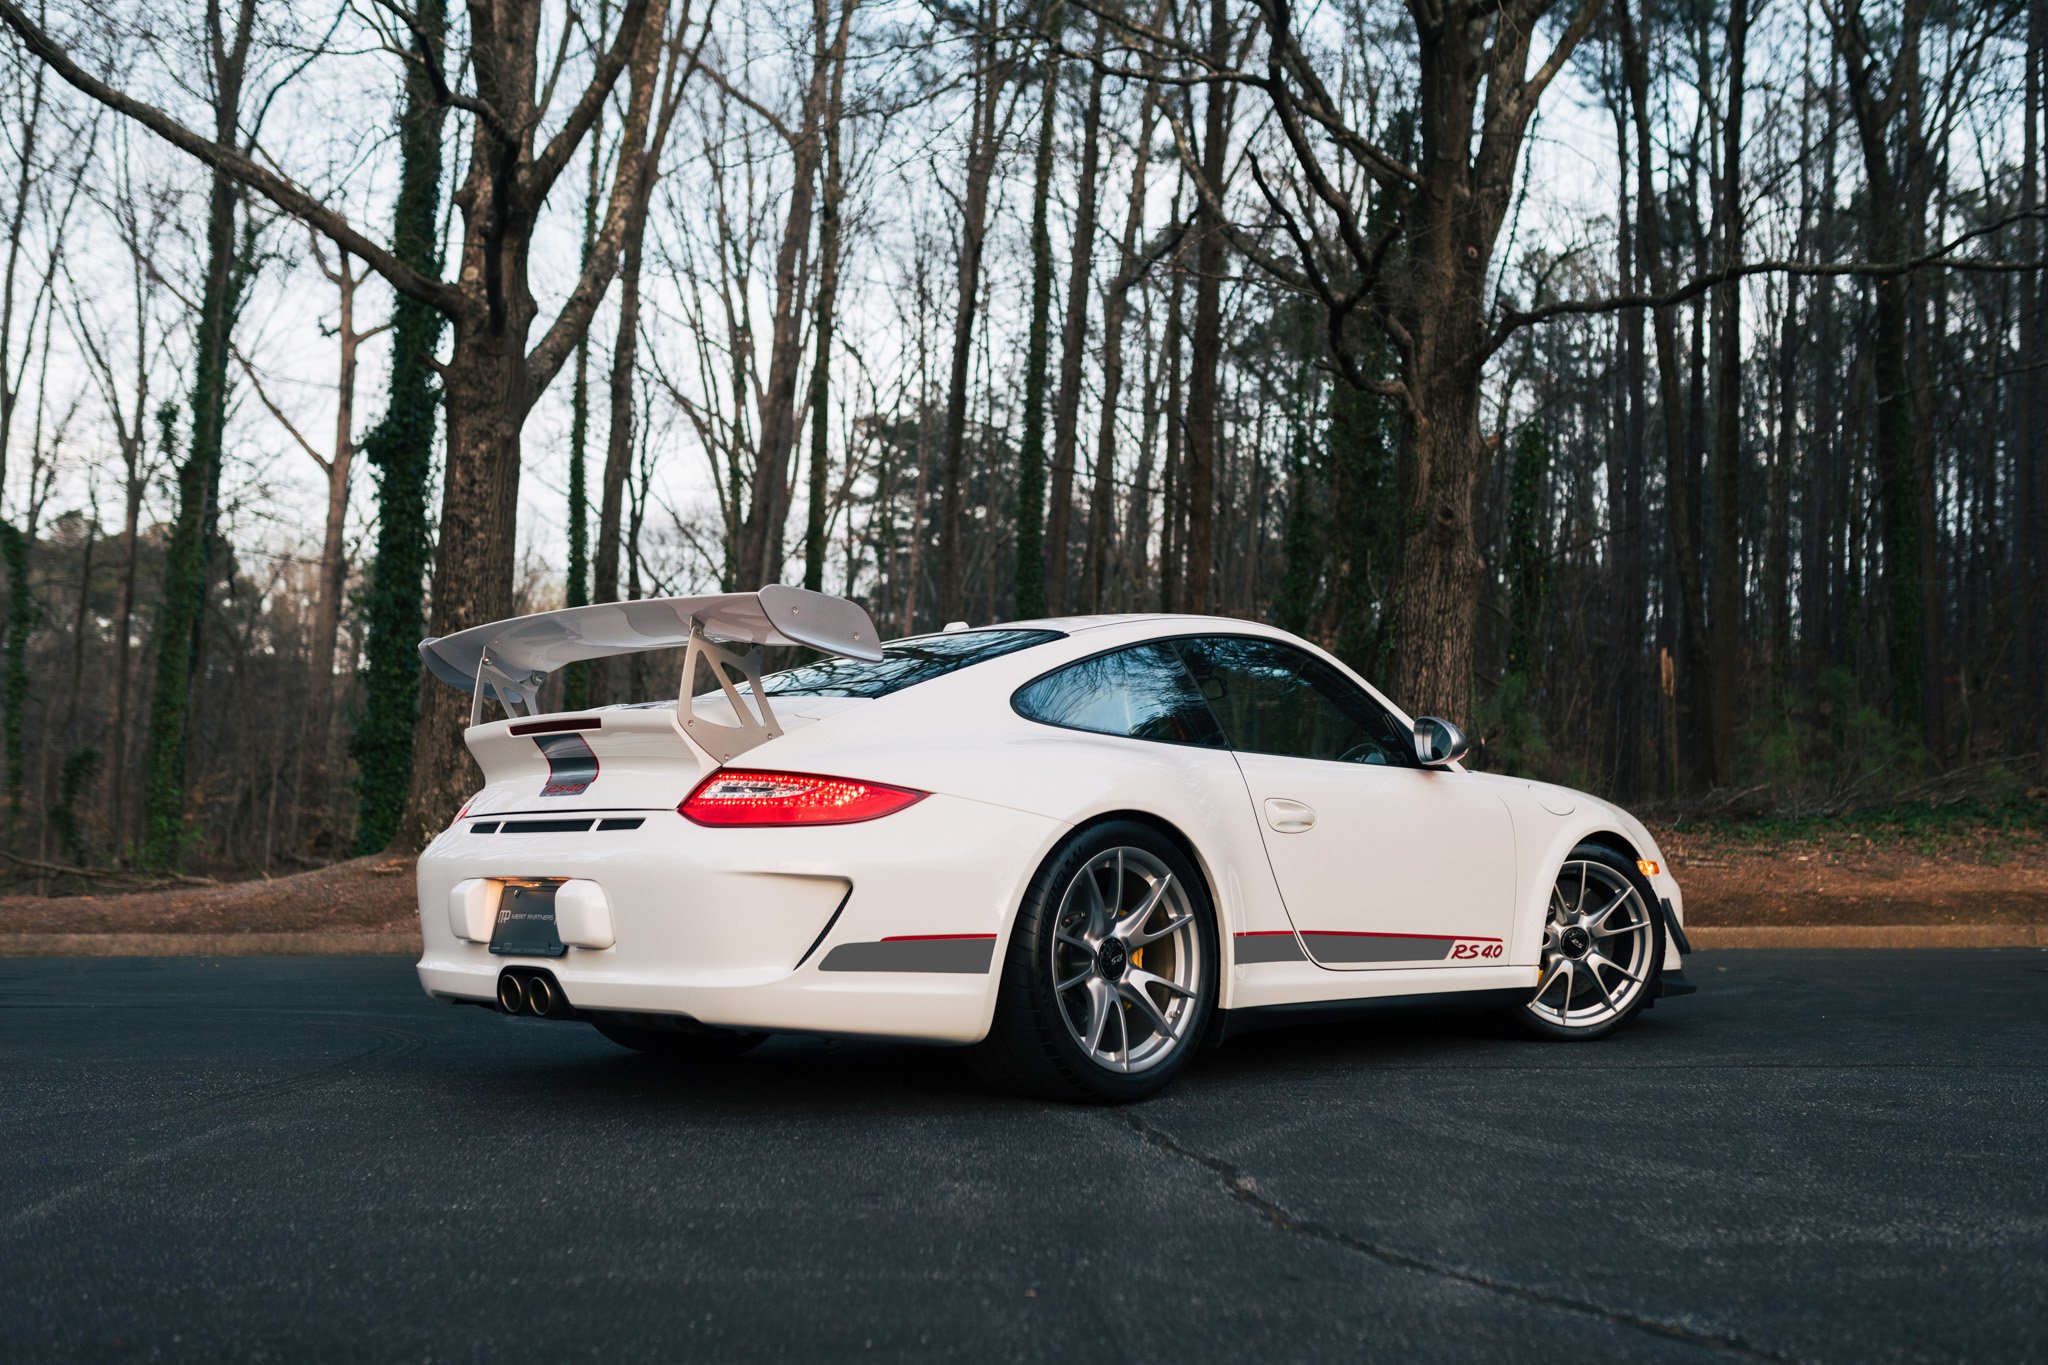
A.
pixel 1228 1024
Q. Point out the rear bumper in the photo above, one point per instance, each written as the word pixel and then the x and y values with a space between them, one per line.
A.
pixel 893 928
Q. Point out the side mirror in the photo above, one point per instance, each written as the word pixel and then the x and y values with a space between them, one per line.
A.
pixel 1438 742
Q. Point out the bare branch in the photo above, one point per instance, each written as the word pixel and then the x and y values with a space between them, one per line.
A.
pixel 280 191
pixel 547 167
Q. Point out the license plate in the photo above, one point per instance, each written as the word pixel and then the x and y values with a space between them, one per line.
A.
pixel 526 923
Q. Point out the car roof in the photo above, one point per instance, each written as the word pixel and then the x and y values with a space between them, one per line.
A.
pixel 1074 625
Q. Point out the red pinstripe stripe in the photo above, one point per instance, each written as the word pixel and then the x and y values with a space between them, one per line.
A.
pixel 1360 933
pixel 929 938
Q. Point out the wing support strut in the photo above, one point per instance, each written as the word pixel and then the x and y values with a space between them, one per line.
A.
pixel 757 723
pixel 508 688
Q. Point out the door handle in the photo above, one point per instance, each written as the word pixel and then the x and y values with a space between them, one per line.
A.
pixel 1289 817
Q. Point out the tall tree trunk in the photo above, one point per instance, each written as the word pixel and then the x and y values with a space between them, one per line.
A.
pixel 1627 600
pixel 188 558
pixel 1724 608
pixel 400 450
pixel 135 484
pixel 1073 341
pixel 760 552
pixel 2029 564
pixel 1116 307
pixel 576 678
pixel 1888 123
pixel 829 229
pixel 984 139
pixel 1172 496
pixel 1693 684
pixel 340 466
pixel 1777 577
pixel 1030 572
pixel 618 457
pixel 1205 349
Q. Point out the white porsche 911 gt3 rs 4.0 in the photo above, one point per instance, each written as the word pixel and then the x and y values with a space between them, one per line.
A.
pixel 1086 846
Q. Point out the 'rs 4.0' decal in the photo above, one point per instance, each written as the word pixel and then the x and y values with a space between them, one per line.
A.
pixel 1464 950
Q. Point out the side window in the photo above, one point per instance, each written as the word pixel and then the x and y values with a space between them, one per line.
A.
pixel 1142 692
pixel 1271 698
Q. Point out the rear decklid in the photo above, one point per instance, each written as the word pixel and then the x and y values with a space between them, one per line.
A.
pixel 613 758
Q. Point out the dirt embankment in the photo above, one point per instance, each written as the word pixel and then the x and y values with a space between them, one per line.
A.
pixel 362 896
pixel 1847 881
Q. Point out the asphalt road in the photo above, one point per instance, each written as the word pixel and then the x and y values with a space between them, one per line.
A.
pixel 1826 1156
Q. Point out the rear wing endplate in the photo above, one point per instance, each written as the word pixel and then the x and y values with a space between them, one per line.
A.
pixel 509 660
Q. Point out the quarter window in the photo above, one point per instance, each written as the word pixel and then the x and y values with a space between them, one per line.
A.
pixel 1142 692
pixel 1271 698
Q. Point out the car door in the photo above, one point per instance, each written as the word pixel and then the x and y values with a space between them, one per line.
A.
pixel 1380 862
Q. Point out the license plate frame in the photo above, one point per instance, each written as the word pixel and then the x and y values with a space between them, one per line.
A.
pixel 525 923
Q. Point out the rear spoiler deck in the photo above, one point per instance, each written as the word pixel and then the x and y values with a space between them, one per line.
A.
pixel 509 660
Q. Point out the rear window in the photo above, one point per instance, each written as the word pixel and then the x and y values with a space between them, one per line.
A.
pixel 905 663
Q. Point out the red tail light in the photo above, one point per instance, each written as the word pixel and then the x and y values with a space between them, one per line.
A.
pixel 739 796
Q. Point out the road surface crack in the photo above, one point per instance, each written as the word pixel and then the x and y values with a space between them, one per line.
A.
pixel 1240 1186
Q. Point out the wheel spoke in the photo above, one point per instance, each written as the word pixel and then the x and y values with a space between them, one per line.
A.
pixel 1098 913
pixel 1140 938
pixel 1131 923
pixel 1098 1004
pixel 1130 991
pixel 1557 969
pixel 1075 942
pixel 1123 1025
pixel 1076 979
pixel 1585 873
pixel 1143 980
pixel 1616 966
pixel 1599 985
pixel 1633 926
pixel 1599 916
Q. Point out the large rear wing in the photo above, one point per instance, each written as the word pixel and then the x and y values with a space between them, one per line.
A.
pixel 509 660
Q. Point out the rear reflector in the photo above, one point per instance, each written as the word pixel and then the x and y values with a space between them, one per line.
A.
pixel 744 797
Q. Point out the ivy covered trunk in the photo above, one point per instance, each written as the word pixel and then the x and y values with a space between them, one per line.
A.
pixel 487 401
pixel 401 451
pixel 188 559
pixel 1030 575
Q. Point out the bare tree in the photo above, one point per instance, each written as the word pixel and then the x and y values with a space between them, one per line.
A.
pixel 494 371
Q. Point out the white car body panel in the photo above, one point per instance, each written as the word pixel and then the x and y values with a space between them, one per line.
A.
pixel 1383 867
pixel 897 927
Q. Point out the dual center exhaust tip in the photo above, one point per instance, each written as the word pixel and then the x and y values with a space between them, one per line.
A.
pixel 530 992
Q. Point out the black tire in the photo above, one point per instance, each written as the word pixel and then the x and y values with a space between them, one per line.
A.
pixel 1644 932
pixel 680 1040
pixel 1030 1049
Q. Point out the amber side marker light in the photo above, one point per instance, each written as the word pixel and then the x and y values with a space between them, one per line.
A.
pixel 741 797
pixel 1646 867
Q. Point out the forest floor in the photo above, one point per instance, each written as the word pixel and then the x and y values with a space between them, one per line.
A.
pixel 1957 868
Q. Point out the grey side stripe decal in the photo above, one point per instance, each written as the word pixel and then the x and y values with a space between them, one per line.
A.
pixel 1276 946
pixel 967 954
pixel 1377 947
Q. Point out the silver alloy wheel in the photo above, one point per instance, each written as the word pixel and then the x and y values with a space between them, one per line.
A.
pixel 1596 947
pixel 1126 960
